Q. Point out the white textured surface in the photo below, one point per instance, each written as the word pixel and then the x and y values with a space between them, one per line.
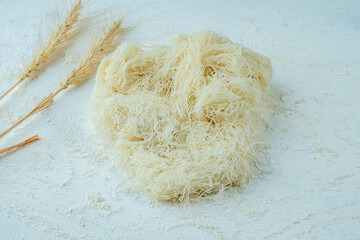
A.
pixel 64 186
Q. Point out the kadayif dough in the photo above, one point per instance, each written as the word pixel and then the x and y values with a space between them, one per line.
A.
pixel 184 120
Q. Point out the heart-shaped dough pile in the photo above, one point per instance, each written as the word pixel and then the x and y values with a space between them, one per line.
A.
pixel 184 119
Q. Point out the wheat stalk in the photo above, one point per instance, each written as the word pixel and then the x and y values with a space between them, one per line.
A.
pixel 43 104
pixel 57 40
pixel 20 145
pixel 86 67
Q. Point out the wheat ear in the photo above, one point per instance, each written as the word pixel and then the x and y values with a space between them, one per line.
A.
pixel 98 49
pixel 57 40
pixel 20 145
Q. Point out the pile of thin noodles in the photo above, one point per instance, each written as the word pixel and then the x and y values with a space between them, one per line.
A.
pixel 184 119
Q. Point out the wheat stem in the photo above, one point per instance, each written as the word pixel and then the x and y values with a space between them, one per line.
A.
pixel 57 40
pixel 10 89
pixel 43 104
pixel 20 145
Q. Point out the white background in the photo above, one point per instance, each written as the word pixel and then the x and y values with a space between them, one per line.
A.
pixel 65 187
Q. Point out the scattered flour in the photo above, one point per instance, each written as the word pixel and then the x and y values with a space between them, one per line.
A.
pixel 308 193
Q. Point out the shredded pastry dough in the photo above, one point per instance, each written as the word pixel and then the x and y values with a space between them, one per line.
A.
pixel 184 119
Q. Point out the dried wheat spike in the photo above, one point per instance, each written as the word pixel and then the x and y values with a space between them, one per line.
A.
pixel 57 40
pixel 98 49
pixel 20 145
